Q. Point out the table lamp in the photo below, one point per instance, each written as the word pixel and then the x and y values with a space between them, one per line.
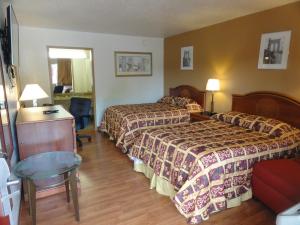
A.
pixel 33 92
pixel 212 85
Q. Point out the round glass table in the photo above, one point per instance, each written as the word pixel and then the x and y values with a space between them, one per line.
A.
pixel 49 165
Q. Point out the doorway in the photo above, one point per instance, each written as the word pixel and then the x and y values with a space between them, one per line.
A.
pixel 71 74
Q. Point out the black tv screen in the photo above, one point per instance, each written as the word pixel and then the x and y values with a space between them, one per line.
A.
pixel 13 37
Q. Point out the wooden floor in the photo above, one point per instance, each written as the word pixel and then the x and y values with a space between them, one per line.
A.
pixel 113 194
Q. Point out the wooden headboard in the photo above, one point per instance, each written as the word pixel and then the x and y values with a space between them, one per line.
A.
pixel 269 104
pixel 189 92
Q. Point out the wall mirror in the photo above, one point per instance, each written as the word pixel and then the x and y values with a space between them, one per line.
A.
pixel 6 150
pixel 71 75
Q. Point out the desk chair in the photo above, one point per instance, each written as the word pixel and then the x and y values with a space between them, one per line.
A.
pixel 80 109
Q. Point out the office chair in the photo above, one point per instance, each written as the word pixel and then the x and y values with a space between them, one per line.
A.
pixel 80 109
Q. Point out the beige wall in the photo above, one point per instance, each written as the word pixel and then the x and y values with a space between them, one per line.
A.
pixel 229 51
pixel 109 89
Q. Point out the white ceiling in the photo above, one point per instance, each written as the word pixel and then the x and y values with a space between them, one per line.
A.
pixel 153 18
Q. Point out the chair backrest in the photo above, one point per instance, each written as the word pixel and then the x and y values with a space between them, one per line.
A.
pixel 80 108
pixel 58 89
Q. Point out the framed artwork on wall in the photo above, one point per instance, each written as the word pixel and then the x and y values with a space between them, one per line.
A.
pixel 274 50
pixel 187 57
pixel 133 64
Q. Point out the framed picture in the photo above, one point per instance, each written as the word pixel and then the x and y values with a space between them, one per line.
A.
pixel 187 55
pixel 133 64
pixel 274 50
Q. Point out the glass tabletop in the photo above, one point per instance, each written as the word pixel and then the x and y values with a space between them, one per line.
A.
pixel 47 165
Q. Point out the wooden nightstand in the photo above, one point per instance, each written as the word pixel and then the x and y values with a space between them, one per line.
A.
pixel 199 117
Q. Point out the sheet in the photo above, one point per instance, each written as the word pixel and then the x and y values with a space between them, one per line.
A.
pixel 209 163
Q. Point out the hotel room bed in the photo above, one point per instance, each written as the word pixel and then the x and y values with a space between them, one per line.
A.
pixel 207 166
pixel 124 123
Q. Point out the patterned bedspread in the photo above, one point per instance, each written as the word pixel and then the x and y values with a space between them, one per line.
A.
pixel 209 163
pixel 124 123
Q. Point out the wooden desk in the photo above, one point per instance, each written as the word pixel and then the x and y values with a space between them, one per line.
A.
pixel 38 132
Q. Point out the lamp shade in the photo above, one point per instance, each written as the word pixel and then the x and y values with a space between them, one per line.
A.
pixel 213 85
pixel 32 92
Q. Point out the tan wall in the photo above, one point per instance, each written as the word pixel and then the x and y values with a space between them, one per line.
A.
pixel 229 51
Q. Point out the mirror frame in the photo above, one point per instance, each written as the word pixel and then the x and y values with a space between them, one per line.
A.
pixel 4 145
pixel 93 76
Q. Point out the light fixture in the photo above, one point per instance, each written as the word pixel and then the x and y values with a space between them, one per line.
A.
pixel 64 53
pixel 212 86
pixel 33 92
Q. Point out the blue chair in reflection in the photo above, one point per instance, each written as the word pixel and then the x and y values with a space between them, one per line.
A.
pixel 80 108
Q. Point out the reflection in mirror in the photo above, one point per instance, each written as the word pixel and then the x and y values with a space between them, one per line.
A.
pixel 71 75
pixel 5 131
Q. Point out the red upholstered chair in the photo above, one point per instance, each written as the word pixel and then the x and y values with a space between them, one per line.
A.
pixel 277 183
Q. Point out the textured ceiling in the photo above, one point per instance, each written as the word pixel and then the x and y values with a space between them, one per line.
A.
pixel 154 18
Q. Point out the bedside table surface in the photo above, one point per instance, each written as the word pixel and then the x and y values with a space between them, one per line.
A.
pixel 199 117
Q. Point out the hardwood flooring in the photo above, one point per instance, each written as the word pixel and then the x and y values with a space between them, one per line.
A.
pixel 113 194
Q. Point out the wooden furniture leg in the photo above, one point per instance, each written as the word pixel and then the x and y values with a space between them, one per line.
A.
pixel 66 177
pixel 32 201
pixel 28 195
pixel 73 184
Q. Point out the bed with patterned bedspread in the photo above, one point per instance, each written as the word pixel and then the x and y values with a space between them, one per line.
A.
pixel 209 163
pixel 124 123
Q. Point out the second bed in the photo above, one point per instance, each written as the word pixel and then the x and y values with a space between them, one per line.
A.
pixel 124 123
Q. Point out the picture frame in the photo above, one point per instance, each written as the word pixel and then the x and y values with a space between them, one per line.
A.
pixel 128 64
pixel 187 58
pixel 274 50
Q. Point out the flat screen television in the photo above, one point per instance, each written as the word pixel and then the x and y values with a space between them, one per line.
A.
pixel 12 37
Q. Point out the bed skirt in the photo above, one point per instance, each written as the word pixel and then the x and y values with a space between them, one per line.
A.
pixel 164 187
pixel 161 185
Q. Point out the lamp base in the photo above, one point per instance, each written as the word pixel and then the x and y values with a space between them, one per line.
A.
pixel 212 103
pixel 34 103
